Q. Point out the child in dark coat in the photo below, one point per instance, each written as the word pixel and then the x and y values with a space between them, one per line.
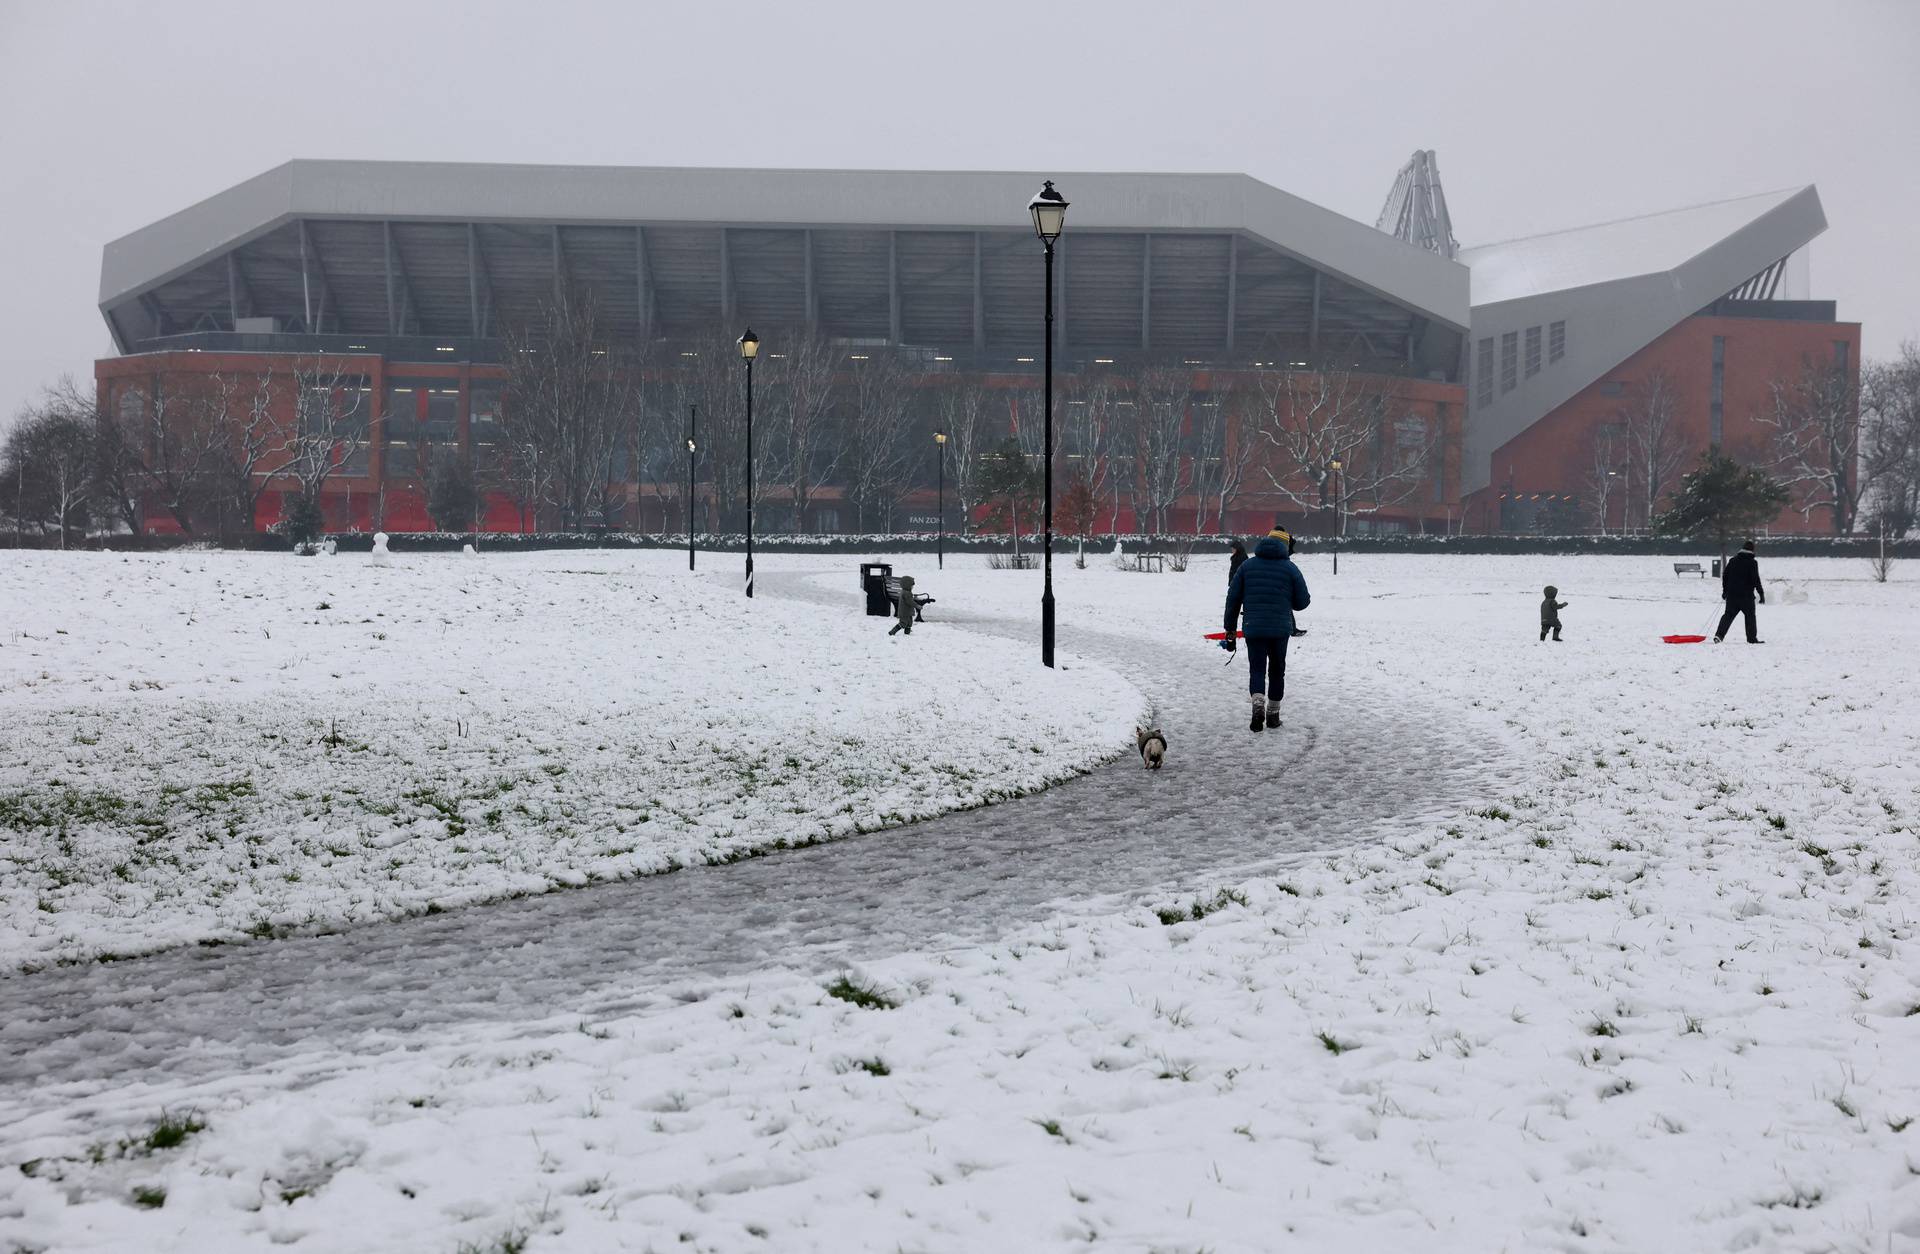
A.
pixel 903 608
pixel 1550 613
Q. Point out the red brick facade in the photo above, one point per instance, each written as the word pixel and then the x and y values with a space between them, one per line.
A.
pixel 1549 469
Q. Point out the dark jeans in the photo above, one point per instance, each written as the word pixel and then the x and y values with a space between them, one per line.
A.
pixel 1745 607
pixel 1267 665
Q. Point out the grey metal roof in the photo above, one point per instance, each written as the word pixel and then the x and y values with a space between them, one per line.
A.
pixel 1647 244
pixel 586 196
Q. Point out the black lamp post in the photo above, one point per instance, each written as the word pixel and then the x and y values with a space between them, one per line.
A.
pixel 1339 518
pixel 1049 210
pixel 749 348
pixel 940 534
pixel 693 429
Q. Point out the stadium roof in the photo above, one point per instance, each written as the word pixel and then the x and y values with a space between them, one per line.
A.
pixel 262 223
pixel 1648 244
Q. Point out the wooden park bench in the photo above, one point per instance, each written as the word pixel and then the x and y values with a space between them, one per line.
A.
pixel 920 599
pixel 1689 568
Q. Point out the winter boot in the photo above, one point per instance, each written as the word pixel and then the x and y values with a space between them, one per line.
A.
pixel 1273 713
pixel 1259 712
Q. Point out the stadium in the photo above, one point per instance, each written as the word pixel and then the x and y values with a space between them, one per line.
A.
pixel 1225 353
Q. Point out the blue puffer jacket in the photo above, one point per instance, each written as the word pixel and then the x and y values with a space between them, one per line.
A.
pixel 1270 588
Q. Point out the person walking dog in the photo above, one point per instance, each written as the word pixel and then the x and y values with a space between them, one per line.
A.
pixel 1739 585
pixel 1270 590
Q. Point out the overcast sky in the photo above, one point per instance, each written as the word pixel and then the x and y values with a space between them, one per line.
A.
pixel 1544 115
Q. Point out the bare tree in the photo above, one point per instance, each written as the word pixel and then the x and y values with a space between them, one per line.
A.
pixel 569 406
pixel 1091 422
pixel 1224 449
pixel 802 451
pixel 1161 397
pixel 878 441
pixel 1814 419
pixel 1606 455
pixel 1337 441
pixel 52 446
pixel 712 376
pixel 329 421
pixel 963 406
pixel 1890 439
pixel 251 447
pixel 1656 447
pixel 176 438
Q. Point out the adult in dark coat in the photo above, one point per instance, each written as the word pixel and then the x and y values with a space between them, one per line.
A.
pixel 1235 559
pixel 1739 585
pixel 1269 589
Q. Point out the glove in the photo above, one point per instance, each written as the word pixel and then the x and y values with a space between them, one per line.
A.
pixel 1228 644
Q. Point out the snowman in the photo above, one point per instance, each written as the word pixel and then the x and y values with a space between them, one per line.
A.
pixel 380 554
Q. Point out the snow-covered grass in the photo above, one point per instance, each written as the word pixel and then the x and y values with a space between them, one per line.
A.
pixel 206 746
pixel 1658 997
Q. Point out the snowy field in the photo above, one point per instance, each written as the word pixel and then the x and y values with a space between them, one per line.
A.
pixel 1656 996
pixel 210 746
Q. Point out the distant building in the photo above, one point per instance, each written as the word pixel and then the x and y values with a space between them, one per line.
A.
pixel 1468 384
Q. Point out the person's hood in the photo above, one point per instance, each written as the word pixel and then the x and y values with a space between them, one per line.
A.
pixel 1270 547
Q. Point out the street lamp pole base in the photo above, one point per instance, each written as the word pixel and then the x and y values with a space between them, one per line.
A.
pixel 1046 626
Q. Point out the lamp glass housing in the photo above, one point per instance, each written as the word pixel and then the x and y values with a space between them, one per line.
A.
pixel 749 345
pixel 1049 210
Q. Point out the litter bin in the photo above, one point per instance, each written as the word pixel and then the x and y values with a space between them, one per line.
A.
pixel 873 580
pixel 1716 568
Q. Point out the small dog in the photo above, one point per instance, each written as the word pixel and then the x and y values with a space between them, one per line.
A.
pixel 1153 747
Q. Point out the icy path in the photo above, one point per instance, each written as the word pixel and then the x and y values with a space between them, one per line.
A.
pixel 1353 772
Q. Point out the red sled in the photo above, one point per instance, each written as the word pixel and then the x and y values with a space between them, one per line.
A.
pixel 1221 635
pixel 1683 639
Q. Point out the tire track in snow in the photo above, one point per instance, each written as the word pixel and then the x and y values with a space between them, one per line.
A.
pixel 1342 771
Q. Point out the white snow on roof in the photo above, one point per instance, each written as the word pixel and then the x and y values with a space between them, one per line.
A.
pixel 1651 244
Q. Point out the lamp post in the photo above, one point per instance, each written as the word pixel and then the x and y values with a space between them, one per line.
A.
pixel 940 534
pixel 693 429
pixel 749 349
pixel 1339 516
pixel 1049 210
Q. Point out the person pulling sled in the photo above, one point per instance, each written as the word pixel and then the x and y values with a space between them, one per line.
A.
pixel 1269 590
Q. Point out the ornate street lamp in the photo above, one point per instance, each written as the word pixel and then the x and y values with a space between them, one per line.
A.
pixel 940 534
pixel 749 349
pixel 1049 210
pixel 693 429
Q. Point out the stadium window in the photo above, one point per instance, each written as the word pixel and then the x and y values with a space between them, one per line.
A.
pixel 1716 408
pixel 1509 361
pixel 1483 373
pixel 1840 354
pixel 1533 351
pixel 1556 341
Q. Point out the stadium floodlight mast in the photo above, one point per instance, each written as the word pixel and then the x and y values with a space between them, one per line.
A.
pixel 693 430
pixel 749 349
pixel 940 531
pixel 1049 210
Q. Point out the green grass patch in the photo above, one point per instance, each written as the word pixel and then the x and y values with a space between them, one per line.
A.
pixel 864 996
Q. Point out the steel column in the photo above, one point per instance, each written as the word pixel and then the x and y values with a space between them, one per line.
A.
pixel 1146 292
pixel 1313 328
pixel 979 301
pixel 893 287
pixel 1233 285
